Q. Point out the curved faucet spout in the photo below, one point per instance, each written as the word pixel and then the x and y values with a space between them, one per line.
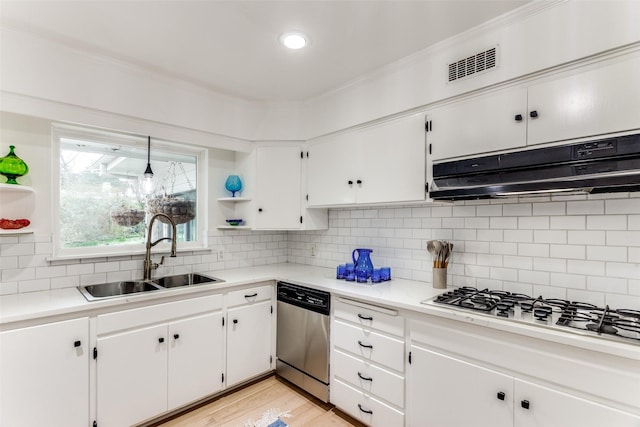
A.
pixel 148 265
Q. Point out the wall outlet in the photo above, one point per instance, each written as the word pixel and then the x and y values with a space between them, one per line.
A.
pixel 312 249
pixel 220 255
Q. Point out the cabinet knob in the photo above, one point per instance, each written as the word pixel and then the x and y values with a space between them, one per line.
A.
pixel 350 182
pixel 533 114
pixel 500 395
pixel 366 411
pixel 525 404
pixel 235 321
pixel 176 336
pixel 518 117
pixel 161 340
pixel 359 181
pixel 259 209
pixel 77 343
pixel 365 345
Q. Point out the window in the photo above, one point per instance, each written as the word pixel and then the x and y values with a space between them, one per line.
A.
pixel 103 203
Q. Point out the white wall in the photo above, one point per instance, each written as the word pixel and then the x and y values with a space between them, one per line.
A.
pixel 23 259
pixel 578 247
pixel 533 38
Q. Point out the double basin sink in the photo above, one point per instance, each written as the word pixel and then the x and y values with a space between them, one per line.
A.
pixel 118 289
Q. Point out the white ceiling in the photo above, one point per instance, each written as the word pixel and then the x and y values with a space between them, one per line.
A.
pixel 231 46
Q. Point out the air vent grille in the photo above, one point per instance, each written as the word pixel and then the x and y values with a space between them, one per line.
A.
pixel 474 64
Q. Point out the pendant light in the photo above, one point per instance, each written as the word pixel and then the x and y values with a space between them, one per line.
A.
pixel 148 173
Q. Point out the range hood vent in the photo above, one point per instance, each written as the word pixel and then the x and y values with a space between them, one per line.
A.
pixel 602 166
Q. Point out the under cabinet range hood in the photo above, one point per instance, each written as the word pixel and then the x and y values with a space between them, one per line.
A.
pixel 600 166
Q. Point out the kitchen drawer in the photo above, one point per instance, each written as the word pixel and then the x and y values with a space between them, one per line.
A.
pixel 363 407
pixel 369 345
pixel 158 313
pixel 369 316
pixel 249 295
pixel 369 378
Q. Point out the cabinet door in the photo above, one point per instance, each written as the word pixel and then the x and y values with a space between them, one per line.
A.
pixel 248 341
pixel 278 188
pixel 131 376
pixel 330 168
pixel 44 373
pixel 479 125
pixel 595 102
pixel 195 358
pixel 391 161
pixel 446 392
pixel 547 407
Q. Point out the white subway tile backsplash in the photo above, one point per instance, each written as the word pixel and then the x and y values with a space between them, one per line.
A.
pixel 587 207
pixel 533 223
pixel 518 210
pixel 533 249
pixel 504 223
pixel 607 222
pixel 524 236
pixel 623 238
pixel 575 237
pixel 570 222
pixel 567 251
pixel 549 208
pixel 622 206
pixel 607 253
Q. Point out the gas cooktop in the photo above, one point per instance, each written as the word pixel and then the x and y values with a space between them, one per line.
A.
pixel 614 324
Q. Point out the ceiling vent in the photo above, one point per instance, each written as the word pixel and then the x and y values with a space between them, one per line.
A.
pixel 474 64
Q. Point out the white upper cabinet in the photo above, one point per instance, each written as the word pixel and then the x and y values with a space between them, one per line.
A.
pixel 595 102
pixel 490 122
pixel 278 188
pixel 586 103
pixel 383 163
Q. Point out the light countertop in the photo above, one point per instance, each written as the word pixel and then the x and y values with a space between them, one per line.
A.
pixel 17 309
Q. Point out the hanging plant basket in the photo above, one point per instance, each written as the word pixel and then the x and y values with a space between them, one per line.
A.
pixel 127 217
pixel 180 210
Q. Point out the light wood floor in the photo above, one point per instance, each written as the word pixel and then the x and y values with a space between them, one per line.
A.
pixel 252 401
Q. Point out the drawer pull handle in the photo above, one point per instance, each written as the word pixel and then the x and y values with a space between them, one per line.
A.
pixel 364 345
pixel 366 411
pixel 364 317
pixel 255 294
pixel 364 378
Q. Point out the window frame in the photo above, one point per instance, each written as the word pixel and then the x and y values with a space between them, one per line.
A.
pixel 62 130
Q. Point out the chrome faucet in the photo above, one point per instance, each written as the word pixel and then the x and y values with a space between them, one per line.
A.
pixel 148 265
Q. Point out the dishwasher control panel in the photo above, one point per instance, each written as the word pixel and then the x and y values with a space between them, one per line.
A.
pixel 301 296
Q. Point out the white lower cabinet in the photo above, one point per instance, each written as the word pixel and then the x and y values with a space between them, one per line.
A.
pixel 539 406
pixel 471 376
pixel 368 362
pixel 148 363
pixel 131 376
pixel 44 375
pixel 249 333
pixel 448 392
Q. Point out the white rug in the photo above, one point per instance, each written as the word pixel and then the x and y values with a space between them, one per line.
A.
pixel 268 418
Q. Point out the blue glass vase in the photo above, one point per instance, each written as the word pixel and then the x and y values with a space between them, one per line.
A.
pixel 233 184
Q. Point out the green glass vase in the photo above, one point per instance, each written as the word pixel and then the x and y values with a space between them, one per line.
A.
pixel 12 166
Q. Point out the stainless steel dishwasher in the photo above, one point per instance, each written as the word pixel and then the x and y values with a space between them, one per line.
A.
pixel 302 348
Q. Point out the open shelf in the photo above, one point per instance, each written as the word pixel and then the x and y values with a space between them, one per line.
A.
pixel 234 227
pixel 234 199
pixel 15 188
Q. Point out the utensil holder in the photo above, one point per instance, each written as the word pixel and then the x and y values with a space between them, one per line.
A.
pixel 440 278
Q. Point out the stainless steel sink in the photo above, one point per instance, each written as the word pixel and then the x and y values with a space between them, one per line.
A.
pixel 189 279
pixel 119 289
pixel 116 289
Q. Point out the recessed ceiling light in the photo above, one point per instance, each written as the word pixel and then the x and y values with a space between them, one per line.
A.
pixel 293 40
